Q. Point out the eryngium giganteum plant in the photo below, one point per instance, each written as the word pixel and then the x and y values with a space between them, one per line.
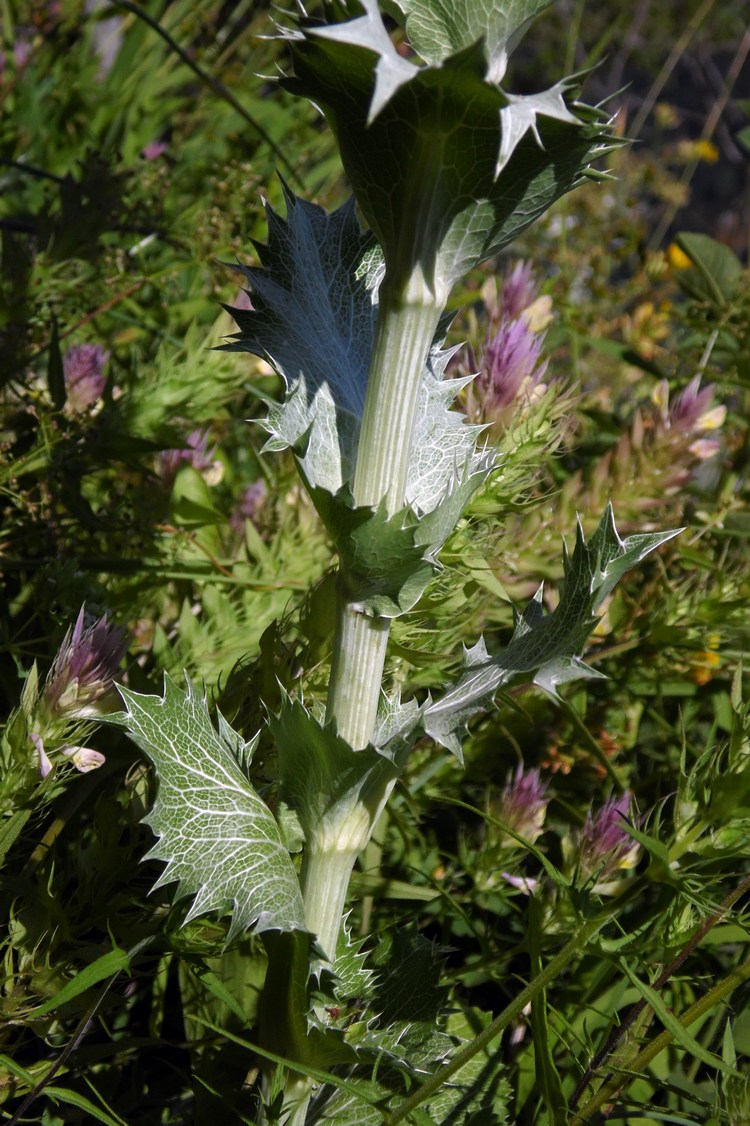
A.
pixel 447 167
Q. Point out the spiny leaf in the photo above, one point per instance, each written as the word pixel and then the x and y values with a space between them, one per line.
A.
pixel 478 1093
pixel 407 1003
pixel 548 645
pixel 352 976
pixel 440 28
pixel 315 306
pixel 387 561
pixel 219 840
pixel 440 158
pixel 410 989
pixel 395 724
pixel 385 569
pixel 368 32
pixel 313 318
pixel 355 1105
pixel 443 452
pixel 521 116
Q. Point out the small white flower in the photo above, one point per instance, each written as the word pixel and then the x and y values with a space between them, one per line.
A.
pixel 84 758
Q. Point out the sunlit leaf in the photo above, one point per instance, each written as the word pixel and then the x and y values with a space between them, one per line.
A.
pixel 218 839
pixel 545 647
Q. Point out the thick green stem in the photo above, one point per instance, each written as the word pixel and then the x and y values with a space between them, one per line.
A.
pixel 325 880
pixel 282 1020
pixel 407 322
pixel 356 673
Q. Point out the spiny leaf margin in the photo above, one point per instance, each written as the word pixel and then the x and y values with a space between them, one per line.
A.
pixel 218 839
pixel 469 173
pixel 548 645
pixel 314 313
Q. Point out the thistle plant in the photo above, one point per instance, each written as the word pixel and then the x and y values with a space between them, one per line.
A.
pixel 447 168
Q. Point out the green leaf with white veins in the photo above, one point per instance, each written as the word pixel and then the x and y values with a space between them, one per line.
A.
pixel 439 28
pixel 219 840
pixel 384 569
pixel 549 646
pixel 446 166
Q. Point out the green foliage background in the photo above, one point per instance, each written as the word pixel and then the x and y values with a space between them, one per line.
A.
pixel 123 1014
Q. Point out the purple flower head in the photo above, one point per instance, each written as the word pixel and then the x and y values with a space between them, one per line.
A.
pixel 249 505
pixel 80 684
pixel 605 845
pixel 83 370
pixel 196 453
pixel 512 358
pixel 519 290
pixel 690 406
pixel 154 150
pixel 22 48
pixel 522 805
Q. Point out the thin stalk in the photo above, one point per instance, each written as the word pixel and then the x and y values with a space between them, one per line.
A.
pixel 699 1008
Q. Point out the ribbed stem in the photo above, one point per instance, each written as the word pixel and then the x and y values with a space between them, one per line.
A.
pixel 356 673
pixel 406 327
pixel 325 881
